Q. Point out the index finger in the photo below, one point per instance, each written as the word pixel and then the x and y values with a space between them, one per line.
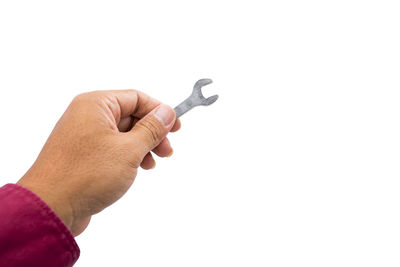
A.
pixel 134 103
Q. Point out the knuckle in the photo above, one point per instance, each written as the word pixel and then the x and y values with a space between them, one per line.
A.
pixel 87 96
pixel 84 100
pixel 81 98
pixel 134 91
pixel 77 99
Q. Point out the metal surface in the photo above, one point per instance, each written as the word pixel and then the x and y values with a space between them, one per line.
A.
pixel 195 99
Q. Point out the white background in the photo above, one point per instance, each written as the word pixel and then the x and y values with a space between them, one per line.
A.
pixel 297 163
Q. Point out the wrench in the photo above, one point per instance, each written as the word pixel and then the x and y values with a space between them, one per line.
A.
pixel 195 99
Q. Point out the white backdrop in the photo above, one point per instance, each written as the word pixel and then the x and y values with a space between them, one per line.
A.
pixel 297 163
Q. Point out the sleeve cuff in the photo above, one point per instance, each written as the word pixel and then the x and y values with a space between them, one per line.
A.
pixel 34 228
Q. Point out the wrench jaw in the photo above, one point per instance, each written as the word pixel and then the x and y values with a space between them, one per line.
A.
pixel 197 89
pixel 209 100
pixel 198 94
pixel 200 83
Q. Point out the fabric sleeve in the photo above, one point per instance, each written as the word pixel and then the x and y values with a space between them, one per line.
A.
pixel 31 234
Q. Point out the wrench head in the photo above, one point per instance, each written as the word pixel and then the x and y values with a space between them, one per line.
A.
pixel 197 93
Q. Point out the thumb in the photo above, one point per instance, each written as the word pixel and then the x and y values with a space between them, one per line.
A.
pixel 149 131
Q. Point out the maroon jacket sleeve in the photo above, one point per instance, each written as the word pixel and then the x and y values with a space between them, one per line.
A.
pixel 31 234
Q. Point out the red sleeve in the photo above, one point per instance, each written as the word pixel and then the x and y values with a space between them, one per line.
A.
pixel 31 234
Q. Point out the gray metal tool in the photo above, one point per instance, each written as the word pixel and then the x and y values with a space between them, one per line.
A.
pixel 195 99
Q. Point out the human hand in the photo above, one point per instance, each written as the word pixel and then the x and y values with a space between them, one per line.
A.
pixel 91 158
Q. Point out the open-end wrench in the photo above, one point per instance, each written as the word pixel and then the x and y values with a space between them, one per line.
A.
pixel 195 99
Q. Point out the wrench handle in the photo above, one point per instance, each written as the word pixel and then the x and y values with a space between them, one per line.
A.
pixel 183 107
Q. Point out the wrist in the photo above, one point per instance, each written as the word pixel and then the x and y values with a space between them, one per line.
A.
pixel 60 207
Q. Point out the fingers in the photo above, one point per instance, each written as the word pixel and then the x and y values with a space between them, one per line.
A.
pixel 176 126
pixel 148 162
pixel 128 106
pixel 137 104
pixel 148 132
pixel 125 103
pixel 164 149
pixel 134 103
pixel 147 122
pixel 125 124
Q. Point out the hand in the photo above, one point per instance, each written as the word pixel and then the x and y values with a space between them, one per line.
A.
pixel 91 158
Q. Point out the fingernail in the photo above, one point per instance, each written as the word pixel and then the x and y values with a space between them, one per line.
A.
pixel 164 114
pixel 154 165
pixel 170 153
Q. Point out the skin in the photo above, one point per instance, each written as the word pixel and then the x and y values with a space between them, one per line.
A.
pixel 93 154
